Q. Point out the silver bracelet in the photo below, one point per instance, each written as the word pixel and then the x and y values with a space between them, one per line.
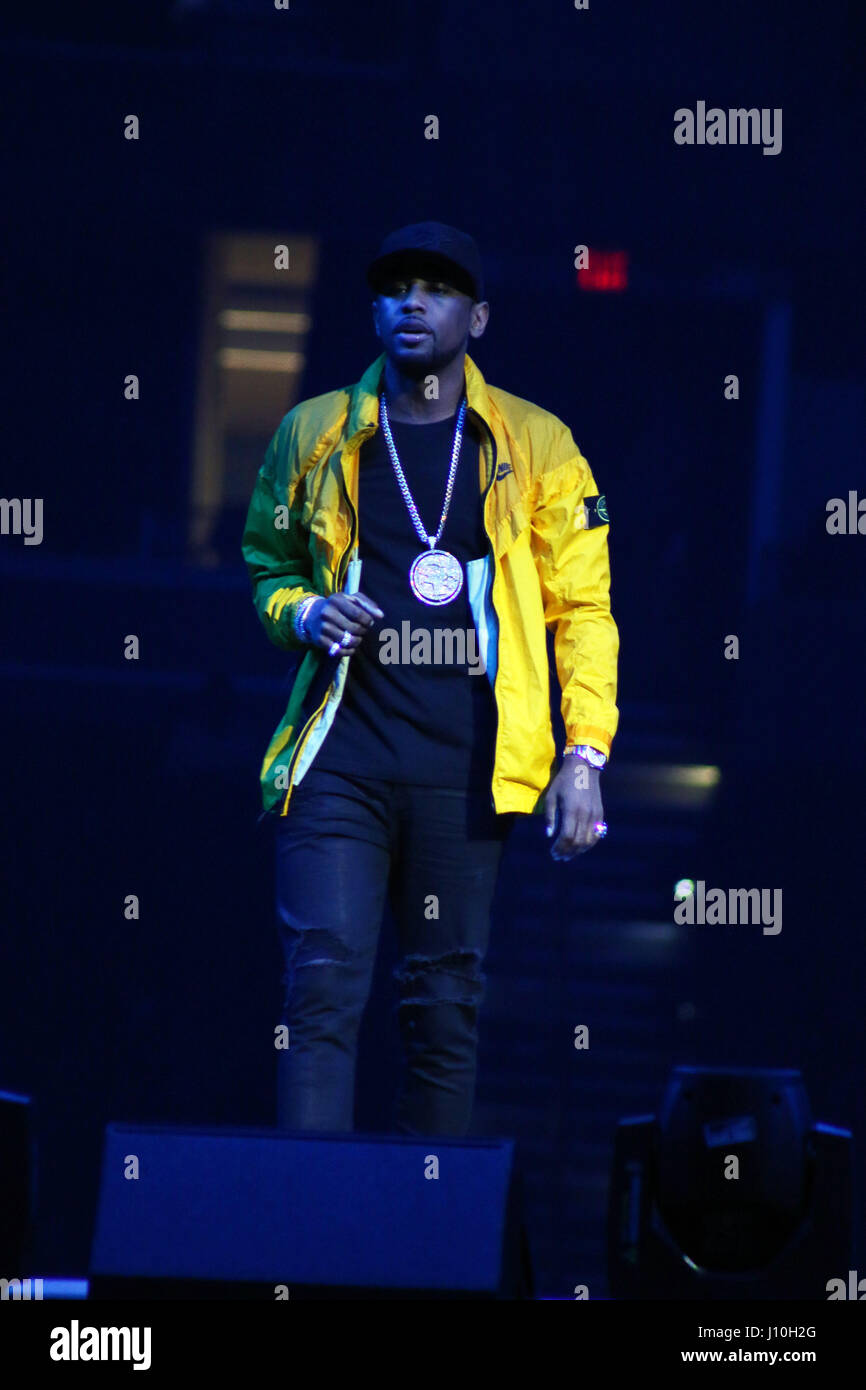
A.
pixel 300 619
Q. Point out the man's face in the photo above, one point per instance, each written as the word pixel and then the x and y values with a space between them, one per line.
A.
pixel 424 324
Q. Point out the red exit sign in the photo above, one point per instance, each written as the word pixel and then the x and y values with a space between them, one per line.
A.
pixel 604 270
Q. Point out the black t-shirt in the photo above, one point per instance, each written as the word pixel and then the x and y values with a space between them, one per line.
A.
pixel 430 722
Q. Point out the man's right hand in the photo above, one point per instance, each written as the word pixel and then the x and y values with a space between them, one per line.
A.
pixel 330 619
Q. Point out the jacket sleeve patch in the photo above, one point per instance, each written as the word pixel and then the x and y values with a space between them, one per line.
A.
pixel 596 511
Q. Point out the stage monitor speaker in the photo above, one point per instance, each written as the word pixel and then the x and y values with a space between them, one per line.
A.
pixel 17 1183
pixel 204 1213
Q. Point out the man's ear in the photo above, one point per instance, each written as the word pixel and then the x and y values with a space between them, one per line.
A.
pixel 478 319
pixel 375 308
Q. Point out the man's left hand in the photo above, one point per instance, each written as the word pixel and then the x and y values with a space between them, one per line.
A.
pixel 576 792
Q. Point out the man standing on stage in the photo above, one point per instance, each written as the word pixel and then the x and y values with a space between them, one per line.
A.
pixel 412 537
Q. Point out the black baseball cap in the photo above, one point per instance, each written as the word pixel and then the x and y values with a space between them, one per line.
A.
pixel 431 249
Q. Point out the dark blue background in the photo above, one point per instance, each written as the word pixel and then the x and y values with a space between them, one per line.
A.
pixel 556 128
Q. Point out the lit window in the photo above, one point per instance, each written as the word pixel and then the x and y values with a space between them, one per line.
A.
pixel 256 323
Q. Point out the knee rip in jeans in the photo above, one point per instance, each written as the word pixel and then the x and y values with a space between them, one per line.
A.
pixel 438 979
pixel 318 946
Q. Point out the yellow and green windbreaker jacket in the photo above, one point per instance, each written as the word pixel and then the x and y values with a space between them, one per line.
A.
pixel 547 567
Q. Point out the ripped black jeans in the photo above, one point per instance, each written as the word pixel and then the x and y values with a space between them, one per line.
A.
pixel 345 844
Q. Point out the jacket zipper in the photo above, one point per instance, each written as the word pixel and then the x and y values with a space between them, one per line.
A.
pixel 493 577
pixel 341 567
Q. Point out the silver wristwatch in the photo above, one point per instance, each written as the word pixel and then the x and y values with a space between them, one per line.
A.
pixel 591 755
